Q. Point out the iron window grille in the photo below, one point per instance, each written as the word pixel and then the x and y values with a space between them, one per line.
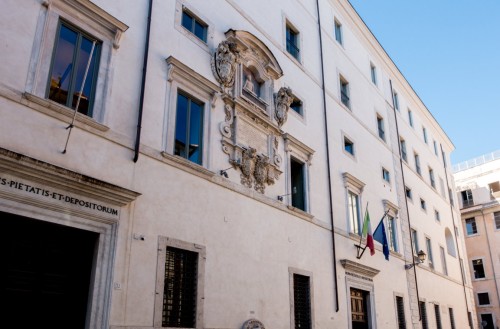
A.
pixel 180 288
pixel 423 312
pixel 302 301
pixel 401 312
pixel 452 318
pixel 438 317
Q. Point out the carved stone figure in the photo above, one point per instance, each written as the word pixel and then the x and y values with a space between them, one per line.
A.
pixel 248 166
pixel 284 98
pixel 261 173
pixel 224 63
pixel 249 86
pixel 253 324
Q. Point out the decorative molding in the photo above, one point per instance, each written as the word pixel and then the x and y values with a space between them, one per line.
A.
pixel 352 182
pixel 293 145
pixel 59 111
pixel 97 15
pixel 388 205
pixel 176 70
pixel 32 169
pixel 355 267
pixel 223 63
pixel 253 324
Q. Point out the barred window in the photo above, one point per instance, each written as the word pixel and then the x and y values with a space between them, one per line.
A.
pixel 452 318
pixel 302 301
pixel 423 312
pixel 180 288
pixel 438 317
pixel 401 312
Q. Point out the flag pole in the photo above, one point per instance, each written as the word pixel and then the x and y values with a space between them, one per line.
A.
pixel 358 246
pixel 71 125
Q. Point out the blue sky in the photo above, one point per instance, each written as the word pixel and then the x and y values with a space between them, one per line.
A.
pixel 449 51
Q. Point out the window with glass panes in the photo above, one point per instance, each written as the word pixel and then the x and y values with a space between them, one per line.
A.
pixel 194 25
pixel 354 212
pixel 189 128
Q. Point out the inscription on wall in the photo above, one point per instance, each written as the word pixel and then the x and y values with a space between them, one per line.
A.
pixel 26 188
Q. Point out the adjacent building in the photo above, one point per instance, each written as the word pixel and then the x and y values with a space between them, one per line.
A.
pixel 212 164
pixel 478 191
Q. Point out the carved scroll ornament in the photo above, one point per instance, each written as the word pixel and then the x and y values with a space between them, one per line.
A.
pixel 253 324
pixel 224 63
pixel 284 98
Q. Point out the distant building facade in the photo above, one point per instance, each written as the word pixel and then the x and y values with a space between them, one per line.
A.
pixel 478 191
pixel 218 171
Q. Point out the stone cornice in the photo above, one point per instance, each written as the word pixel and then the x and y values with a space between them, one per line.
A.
pixel 355 267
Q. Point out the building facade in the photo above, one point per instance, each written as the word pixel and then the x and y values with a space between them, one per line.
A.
pixel 478 194
pixel 210 164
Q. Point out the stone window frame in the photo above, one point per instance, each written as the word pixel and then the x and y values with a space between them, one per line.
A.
pixel 291 272
pixel 180 7
pixel 183 79
pixel 356 186
pixel 298 96
pixel 398 294
pixel 430 255
pixel 163 243
pixel 90 19
pixel 302 153
pixel 386 174
pixel 343 80
pixel 393 211
pixel 287 23
pixel 345 136
pixel 381 123
pixel 477 298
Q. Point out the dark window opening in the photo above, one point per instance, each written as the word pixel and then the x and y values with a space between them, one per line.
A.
pixel 381 129
pixel 189 129
pixel 194 25
pixel 292 42
pixel 401 312
pixel 301 301
pixel 359 309
pixel 348 146
pixel 477 265
pixel 483 298
pixel 344 93
pixel 296 105
pixel 297 178
pixel 438 317
pixel 467 199
pixel 180 288
pixel 72 52
pixel 423 312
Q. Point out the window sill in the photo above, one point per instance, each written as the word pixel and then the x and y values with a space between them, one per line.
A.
pixel 189 165
pixel 301 213
pixel 61 112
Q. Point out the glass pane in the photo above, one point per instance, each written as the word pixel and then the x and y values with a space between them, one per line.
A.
pixel 180 126
pixel 200 30
pixel 187 21
pixel 195 132
pixel 83 58
pixel 60 76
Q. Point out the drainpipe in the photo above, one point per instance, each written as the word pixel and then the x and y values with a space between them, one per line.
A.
pixel 455 234
pixel 491 257
pixel 406 201
pixel 328 161
pixel 143 84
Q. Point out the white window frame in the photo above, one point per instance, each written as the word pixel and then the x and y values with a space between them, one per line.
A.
pixel 343 80
pixel 380 119
pixel 337 26
pixel 287 23
pixel 373 74
pixel 344 137
pixel 291 272
pixel 355 186
pixel 88 18
pixel 392 211
pixel 163 243
pixel 180 7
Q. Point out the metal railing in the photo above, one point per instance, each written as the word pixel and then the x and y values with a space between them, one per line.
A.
pixel 476 161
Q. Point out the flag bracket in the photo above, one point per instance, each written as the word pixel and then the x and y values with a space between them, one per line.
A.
pixel 360 248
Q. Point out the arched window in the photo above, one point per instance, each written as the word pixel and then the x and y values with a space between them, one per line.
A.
pixel 450 243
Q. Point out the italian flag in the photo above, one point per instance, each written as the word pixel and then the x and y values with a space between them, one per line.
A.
pixel 367 231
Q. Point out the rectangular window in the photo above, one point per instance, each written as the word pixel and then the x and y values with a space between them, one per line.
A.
pixel 292 42
pixel 409 194
pixel 496 215
pixel 428 244
pixel 414 241
pixel 441 185
pixel 373 73
pixel 380 127
pixel 348 146
pixel 297 105
pixel 301 301
pixel 431 178
pixel 338 32
pixel 417 164
pixel 189 129
pixel 435 147
pixel 423 204
pixel 462 268
pixel 437 216
pixel 450 195
pixel 477 265
pixel 354 212
pixel 467 199
pixel 424 133
pixel 396 101
pixel 386 175
pixel 470 226
pixel 72 51
pixel 194 25
pixel 438 316
pixel 400 306
pixel 483 298
pixel 359 316
pixel 391 228
pixel 297 180
pixel 443 261
pixel 404 155
pixel 180 288
pixel 344 92
pixel 410 117
pixel 423 312
pixel 452 318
